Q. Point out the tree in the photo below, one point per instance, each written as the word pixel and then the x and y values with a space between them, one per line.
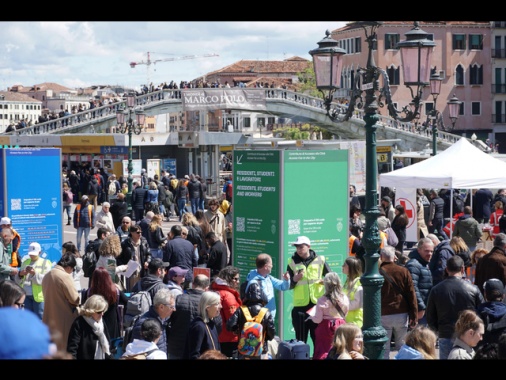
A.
pixel 307 83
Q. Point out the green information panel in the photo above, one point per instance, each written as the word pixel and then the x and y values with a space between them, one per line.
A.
pixel 279 195
pixel 316 202
pixel 256 198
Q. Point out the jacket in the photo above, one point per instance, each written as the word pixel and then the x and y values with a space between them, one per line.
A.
pixel 155 238
pixel 491 312
pixel 119 209
pixel 41 266
pixel 355 295
pixel 408 353
pixel 82 341
pixel 5 263
pixel 392 301
pixel 422 278
pixel 492 265
pixel 468 228
pixel 179 252
pixel 437 265
pixel 201 338
pixel 308 289
pixel 128 252
pixel 268 284
pixel 151 313
pixel 139 195
pixel 138 346
pixel 230 301
pixel 254 301
pixel 194 189
pixel 218 257
pixel 84 216
pixel 446 300
pixel 187 308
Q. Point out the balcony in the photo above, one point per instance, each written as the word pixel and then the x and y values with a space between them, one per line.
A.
pixel 499 88
pixel 498 53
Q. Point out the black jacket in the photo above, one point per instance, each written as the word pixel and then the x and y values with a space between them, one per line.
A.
pixel 446 300
pixel 127 252
pixel 139 198
pixel 119 209
pixel 194 189
pixel 187 308
pixel 82 342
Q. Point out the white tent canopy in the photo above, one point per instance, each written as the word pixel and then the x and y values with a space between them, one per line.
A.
pixel 461 166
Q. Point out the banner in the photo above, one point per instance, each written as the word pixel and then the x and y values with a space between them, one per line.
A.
pixel 201 99
pixel 407 198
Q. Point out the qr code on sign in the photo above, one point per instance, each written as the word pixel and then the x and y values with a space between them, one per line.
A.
pixel 16 204
pixel 240 225
pixel 293 226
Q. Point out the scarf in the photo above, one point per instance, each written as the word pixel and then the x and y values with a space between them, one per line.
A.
pixel 98 330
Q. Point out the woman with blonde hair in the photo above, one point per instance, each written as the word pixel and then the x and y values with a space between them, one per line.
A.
pixel 109 250
pixel 155 236
pixel 348 343
pixel 469 330
pixel 89 337
pixel 329 313
pixel 461 249
pixel 420 343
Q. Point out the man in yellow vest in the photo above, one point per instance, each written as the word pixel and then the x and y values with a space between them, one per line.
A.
pixel 306 270
pixel 30 277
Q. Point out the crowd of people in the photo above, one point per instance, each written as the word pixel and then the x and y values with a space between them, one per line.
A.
pixel 430 298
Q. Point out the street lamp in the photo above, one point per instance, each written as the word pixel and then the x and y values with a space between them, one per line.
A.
pixel 435 90
pixel 416 54
pixel 130 126
pixel 454 108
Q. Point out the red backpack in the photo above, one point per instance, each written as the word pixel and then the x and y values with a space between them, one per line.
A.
pixel 230 191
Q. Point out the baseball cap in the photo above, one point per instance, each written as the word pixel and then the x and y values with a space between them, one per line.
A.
pixel 5 220
pixel 302 240
pixel 84 198
pixel 386 198
pixel 157 263
pixel 493 288
pixel 177 271
pixel 33 343
pixel 34 249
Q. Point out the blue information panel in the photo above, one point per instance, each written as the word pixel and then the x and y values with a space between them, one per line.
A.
pixel 169 164
pixel 32 196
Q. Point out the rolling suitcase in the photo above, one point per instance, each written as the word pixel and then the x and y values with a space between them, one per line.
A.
pixel 293 349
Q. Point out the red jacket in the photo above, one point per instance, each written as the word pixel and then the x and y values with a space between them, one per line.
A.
pixel 230 300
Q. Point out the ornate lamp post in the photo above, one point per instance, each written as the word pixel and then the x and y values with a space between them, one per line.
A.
pixel 416 54
pixel 435 90
pixel 130 126
pixel 454 108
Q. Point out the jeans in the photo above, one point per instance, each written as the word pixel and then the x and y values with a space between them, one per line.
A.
pixel 195 204
pixel 66 209
pixel 36 307
pixel 398 325
pixel 80 232
pixel 181 205
pixel 445 346
pixel 438 224
pixel 161 207
pixel 202 202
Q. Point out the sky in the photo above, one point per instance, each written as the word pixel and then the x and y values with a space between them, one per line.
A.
pixel 82 54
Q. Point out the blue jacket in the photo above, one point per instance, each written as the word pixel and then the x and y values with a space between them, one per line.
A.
pixel 151 313
pixel 268 285
pixel 422 278
pixel 408 353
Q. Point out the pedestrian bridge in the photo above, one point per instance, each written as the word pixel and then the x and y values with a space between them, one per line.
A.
pixel 280 102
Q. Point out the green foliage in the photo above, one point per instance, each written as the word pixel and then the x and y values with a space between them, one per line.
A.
pixel 307 83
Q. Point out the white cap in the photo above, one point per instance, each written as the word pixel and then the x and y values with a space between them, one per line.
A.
pixel 302 240
pixel 34 249
pixel 5 220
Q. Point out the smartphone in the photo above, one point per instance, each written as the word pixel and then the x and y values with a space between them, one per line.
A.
pixel 300 271
pixel 28 268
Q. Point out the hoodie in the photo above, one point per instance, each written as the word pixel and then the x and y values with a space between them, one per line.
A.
pixel 408 353
pixel 269 283
pixel 139 346
pixel 468 228
pixel 492 312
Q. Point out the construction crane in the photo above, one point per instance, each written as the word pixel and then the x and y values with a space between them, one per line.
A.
pixel 149 61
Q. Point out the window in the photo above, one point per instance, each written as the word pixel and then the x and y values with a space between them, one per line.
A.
pixel 459 41
pixel 476 41
pixel 459 75
pixel 393 75
pixel 358 44
pixel 247 122
pixel 475 108
pixel 476 74
pixel 429 106
pixel 391 40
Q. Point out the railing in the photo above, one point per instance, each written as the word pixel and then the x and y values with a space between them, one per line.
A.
pixel 98 114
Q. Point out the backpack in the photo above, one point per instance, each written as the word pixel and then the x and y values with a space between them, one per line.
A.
pixel 392 239
pixel 502 223
pixel 138 303
pixel 230 192
pixel 89 259
pixel 128 334
pixel 458 204
pixel 141 356
pixel 112 188
pixel 252 336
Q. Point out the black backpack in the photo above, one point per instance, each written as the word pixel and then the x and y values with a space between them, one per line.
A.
pixel 90 258
pixel 502 223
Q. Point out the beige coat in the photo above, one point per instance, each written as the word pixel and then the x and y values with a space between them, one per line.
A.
pixel 420 219
pixel 60 301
